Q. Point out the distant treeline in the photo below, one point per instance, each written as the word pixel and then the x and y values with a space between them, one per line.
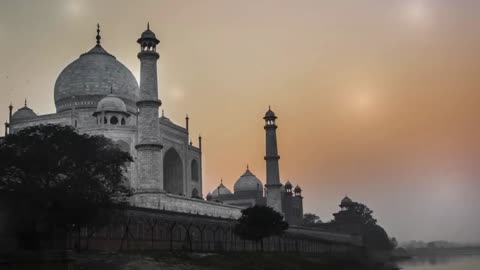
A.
pixel 444 251
pixel 437 245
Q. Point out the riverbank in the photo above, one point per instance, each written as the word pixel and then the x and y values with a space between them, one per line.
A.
pixel 180 261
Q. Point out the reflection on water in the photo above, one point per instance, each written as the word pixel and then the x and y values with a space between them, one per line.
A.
pixel 442 262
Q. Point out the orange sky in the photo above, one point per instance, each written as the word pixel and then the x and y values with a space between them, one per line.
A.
pixel 376 99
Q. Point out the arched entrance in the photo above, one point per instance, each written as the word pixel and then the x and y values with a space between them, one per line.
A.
pixel 194 170
pixel 195 193
pixel 172 172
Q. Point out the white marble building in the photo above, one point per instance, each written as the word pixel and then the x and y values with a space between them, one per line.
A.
pixel 97 94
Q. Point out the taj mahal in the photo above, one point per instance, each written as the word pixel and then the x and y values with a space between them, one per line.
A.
pixel 98 95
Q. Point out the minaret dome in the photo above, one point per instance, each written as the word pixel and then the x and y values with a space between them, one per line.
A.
pixel 148 41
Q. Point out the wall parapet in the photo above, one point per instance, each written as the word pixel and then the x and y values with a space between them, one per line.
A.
pixel 177 203
pixel 333 237
pixel 154 229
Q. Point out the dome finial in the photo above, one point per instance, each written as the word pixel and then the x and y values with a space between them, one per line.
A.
pixel 98 37
pixel 148 25
pixel 221 181
pixel 247 166
pixel 25 102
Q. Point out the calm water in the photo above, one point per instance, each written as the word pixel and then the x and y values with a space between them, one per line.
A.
pixel 457 262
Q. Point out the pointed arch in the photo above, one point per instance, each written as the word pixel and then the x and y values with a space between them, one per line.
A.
pixel 195 193
pixel 172 172
pixel 194 170
pixel 113 120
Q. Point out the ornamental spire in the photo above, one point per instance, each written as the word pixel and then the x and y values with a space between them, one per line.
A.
pixel 98 37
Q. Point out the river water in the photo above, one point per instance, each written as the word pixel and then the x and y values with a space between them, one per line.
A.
pixel 456 262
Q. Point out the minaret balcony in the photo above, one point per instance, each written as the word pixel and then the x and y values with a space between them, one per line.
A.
pixel 148 54
pixel 149 103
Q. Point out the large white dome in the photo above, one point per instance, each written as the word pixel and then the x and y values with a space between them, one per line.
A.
pixel 91 77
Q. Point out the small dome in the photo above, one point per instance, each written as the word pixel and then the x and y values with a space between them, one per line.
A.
pixel 111 103
pixel 23 113
pixel 288 185
pixel 346 201
pixel 248 182
pixel 209 196
pixel 148 34
pixel 221 190
pixel 270 114
pixel 297 189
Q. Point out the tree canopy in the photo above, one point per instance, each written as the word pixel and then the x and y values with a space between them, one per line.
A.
pixel 258 222
pixel 310 219
pixel 375 237
pixel 62 177
pixel 364 213
pixel 361 217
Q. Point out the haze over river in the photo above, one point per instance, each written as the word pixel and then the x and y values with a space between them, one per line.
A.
pixel 456 262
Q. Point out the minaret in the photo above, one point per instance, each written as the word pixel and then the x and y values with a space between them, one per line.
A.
pixel 273 186
pixel 200 161
pixel 10 109
pixel 7 124
pixel 200 143
pixel 149 164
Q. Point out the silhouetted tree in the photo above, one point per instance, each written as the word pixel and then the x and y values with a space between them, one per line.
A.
pixel 310 219
pixel 258 222
pixel 376 238
pixel 60 178
pixel 363 212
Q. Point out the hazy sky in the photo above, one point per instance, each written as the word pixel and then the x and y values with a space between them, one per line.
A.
pixel 376 99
